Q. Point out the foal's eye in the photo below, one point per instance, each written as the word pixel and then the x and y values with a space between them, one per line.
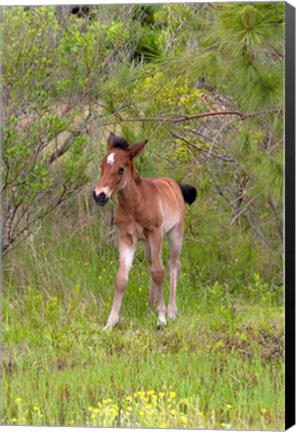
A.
pixel 120 170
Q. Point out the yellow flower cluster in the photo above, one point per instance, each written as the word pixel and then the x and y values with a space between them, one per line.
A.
pixel 143 409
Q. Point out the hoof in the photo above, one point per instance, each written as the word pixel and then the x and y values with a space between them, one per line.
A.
pixel 161 323
pixel 108 328
pixel 112 322
pixel 172 314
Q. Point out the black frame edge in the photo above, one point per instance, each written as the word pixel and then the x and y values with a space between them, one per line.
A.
pixel 289 215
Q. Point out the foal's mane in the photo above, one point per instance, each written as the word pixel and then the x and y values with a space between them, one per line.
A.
pixel 119 142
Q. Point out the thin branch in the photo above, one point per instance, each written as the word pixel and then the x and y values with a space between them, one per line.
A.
pixel 277 218
pixel 194 240
pixel 244 209
pixel 178 118
pixel 60 151
pixel 220 132
pixel 206 114
pixel 22 235
pixel 201 149
pixel 67 143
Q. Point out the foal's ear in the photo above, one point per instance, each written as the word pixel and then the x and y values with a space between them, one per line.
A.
pixel 135 149
pixel 111 140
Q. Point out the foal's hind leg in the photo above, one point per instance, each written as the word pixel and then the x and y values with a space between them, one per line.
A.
pixel 175 237
pixel 153 286
pixel 157 273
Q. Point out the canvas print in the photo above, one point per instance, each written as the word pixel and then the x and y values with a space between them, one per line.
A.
pixel 142 215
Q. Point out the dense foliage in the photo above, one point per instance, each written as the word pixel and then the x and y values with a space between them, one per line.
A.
pixel 68 79
pixel 204 83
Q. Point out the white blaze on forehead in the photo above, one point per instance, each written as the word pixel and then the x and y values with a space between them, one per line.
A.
pixel 110 159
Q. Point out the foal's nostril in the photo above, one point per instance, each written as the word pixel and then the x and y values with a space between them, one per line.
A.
pixel 102 196
pixel 100 199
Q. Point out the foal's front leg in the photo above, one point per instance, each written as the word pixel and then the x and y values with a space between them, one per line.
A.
pixel 127 247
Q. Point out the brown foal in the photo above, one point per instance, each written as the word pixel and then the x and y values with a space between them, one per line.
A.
pixel 147 209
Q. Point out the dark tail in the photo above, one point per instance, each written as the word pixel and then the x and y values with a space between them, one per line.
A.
pixel 189 193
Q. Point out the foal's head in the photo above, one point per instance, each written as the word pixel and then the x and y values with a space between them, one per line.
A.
pixel 116 168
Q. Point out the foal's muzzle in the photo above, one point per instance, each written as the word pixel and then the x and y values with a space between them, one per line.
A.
pixel 100 199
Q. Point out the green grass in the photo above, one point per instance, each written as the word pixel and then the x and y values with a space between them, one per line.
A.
pixel 222 360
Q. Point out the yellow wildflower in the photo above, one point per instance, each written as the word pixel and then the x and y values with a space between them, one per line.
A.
pixel 93 416
pixel 163 426
pixel 263 410
pixel 150 392
pixel 142 414
pixel 128 398
pixel 228 406
pixel 173 411
pixel 172 394
pixel 149 406
pixel 129 408
pixel 35 408
pixel 90 408
pixel 18 400
pixel 14 420
pixel 184 419
pixel 222 424
pixel 71 422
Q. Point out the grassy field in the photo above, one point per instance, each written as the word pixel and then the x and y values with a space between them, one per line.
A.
pixel 220 365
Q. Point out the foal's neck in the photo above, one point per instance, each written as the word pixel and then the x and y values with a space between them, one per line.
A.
pixel 129 197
